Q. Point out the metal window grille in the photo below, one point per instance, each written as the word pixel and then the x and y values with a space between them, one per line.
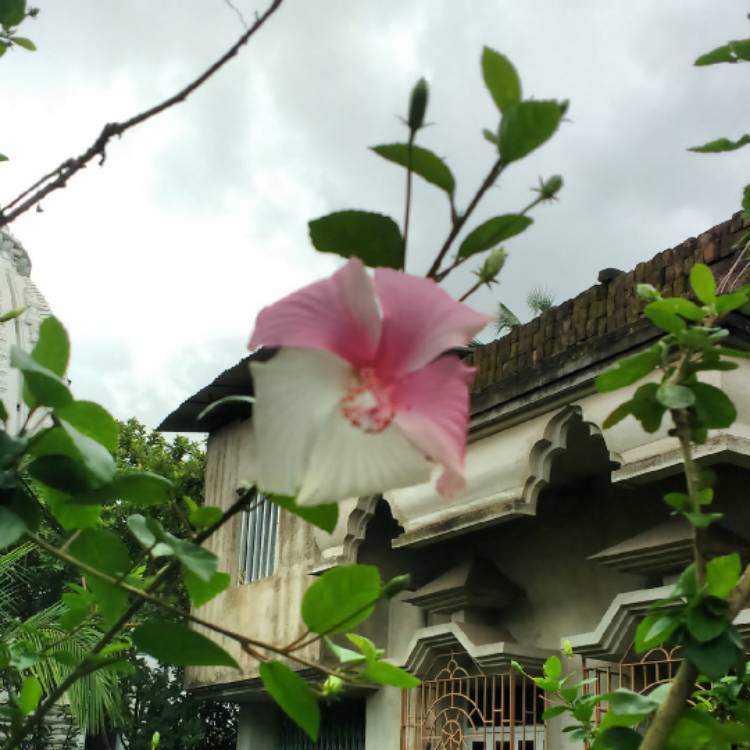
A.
pixel 461 708
pixel 258 536
pixel 641 675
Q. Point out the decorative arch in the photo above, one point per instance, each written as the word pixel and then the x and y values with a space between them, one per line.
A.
pixel 556 440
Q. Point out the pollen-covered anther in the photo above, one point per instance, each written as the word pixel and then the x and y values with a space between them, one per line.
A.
pixel 368 403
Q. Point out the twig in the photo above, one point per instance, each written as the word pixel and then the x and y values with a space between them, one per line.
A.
pixel 407 207
pixel 459 222
pixel 237 12
pixel 59 177
pixel 80 671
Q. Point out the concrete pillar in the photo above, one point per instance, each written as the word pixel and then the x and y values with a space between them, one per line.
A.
pixel 258 727
pixel 383 719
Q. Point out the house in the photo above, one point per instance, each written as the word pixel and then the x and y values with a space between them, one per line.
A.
pixel 559 534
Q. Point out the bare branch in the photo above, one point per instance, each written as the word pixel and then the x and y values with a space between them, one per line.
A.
pixel 58 178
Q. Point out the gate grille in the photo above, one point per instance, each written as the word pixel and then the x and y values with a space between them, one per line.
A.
pixel 461 708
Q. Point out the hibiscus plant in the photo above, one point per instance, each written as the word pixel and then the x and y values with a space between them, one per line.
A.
pixel 363 392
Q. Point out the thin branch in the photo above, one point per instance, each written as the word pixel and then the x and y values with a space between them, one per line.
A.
pixel 407 207
pixel 58 178
pixel 80 671
pixel 471 291
pixel 237 12
pixel 458 261
pixel 459 222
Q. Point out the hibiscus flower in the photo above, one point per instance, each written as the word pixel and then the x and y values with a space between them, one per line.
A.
pixel 362 396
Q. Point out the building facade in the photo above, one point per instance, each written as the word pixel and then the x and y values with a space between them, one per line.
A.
pixel 560 534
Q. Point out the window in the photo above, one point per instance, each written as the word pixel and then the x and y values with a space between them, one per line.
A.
pixel 258 533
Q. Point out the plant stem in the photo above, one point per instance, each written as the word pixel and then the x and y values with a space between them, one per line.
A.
pixel 82 669
pixel 460 220
pixel 407 207
pixel 458 261
pixel 471 291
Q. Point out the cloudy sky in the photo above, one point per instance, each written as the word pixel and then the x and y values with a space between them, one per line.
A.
pixel 159 261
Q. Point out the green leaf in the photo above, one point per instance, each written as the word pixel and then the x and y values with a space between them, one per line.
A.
pixel 552 668
pixel 680 306
pixel 3 157
pixel 675 396
pixel 383 673
pixel 687 584
pixel 552 712
pixel 42 385
pixel 493 231
pixel 526 126
pixel 715 658
pixel 653 630
pixel 149 531
pixel 22 41
pixel 627 703
pixel 369 650
pixel 103 550
pixel 501 79
pixel 293 695
pixel 704 625
pixel 204 516
pixel 345 655
pixel 721 144
pixel 746 200
pixel 31 693
pixel 236 398
pixel 341 598
pixel 702 283
pixel 141 488
pixel 677 500
pixel 703 520
pixel 69 514
pixel 12 12
pixel 721 54
pixel 323 516
pixel 728 302
pixel 722 574
pixel 712 406
pixel 373 238
pixel 92 420
pixel 52 349
pixel 664 318
pixel 425 163
pixel 180 646
pixel 12 527
pixel 490 136
pixel 201 591
pixel 629 370
pixel 618 738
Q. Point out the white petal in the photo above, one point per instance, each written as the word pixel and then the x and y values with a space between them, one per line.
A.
pixel 295 392
pixel 348 462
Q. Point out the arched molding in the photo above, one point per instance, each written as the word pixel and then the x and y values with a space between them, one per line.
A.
pixel 341 547
pixel 556 440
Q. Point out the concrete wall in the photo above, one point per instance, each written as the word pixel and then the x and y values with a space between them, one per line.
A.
pixel 267 609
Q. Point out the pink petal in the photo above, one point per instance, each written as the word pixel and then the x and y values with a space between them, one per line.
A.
pixel 339 314
pixel 433 412
pixel 420 322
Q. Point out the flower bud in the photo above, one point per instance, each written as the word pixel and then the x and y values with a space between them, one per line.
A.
pixel 332 687
pixel 418 105
pixel 549 188
pixel 492 266
pixel 567 648
pixel 155 740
